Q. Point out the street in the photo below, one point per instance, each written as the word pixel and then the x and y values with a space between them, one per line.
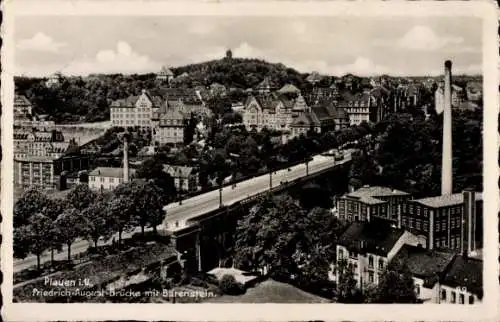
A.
pixel 178 215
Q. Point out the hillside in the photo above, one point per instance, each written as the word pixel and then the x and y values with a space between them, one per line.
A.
pixel 87 99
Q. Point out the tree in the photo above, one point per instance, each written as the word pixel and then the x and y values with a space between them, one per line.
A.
pixel 395 286
pixel 37 235
pixel 347 291
pixel 264 241
pixel 31 202
pixel 70 225
pixel 152 169
pixel 120 214
pixel 80 197
pixel 97 224
pixel 147 202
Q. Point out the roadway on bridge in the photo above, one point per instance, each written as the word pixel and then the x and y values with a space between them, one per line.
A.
pixel 201 204
pixel 178 215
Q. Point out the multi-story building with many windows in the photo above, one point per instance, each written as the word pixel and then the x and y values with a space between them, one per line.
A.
pixel 22 108
pixel 368 202
pixel 449 221
pixel 457 97
pixel 44 171
pixel 170 123
pixel 135 110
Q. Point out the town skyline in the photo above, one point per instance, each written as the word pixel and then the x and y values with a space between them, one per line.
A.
pixel 45 45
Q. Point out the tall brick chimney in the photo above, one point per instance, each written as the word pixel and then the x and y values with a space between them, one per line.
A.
pixel 125 157
pixel 447 156
pixel 469 222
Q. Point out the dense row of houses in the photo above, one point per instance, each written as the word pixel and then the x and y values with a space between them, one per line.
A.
pixel 438 238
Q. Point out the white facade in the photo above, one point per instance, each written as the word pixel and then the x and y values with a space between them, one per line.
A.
pixel 458 295
pixel 137 114
pixel 427 295
pixel 104 183
pixel 368 268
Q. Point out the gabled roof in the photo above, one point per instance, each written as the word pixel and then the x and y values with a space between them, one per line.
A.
pixel 375 237
pixel 165 72
pixel 178 171
pixel 109 172
pixel 305 120
pixel 428 265
pixel 289 88
pixel 21 100
pixel 314 77
pixel 266 83
pixel 130 101
pixel 465 272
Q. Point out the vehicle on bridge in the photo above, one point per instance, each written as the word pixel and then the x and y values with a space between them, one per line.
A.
pixel 339 155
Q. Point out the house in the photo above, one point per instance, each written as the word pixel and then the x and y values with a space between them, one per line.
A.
pixel 358 106
pixel 289 89
pixel 369 246
pixel 462 283
pixel 265 87
pixel 267 111
pixel 39 143
pixel 474 91
pixel 446 222
pixel 427 269
pixel 185 178
pixel 369 202
pixel 170 123
pixel 135 110
pixel 314 78
pixel 53 80
pixel 457 97
pixel 22 108
pixel 165 75
pixel 107 178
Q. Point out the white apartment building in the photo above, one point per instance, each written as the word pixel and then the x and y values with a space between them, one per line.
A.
pixel 106 178
pixel 135 110
pixel 369 247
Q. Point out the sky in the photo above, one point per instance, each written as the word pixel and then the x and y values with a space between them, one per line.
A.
pixel 399 46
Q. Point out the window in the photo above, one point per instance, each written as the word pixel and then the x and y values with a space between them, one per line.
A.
pixel 417 289
pixel 370 261
pixel 461 299
pixel 471 299
pixel 443 295
pixel 437 243
pixel 453 297
pixel 381 264
pixel 102 179
pixel 370 277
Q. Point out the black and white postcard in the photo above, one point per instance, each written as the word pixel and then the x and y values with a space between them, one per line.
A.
pixel 158 153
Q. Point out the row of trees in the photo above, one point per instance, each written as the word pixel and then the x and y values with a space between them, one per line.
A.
pixel 42 223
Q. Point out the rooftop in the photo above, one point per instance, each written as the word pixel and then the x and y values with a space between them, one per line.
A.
pixel 370 195
pixel 424 263
pixel 446 201
pixel 378 237
pixel 465 272
pixel 109 172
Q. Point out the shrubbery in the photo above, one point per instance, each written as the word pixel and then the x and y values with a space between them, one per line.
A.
pixel 228 285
